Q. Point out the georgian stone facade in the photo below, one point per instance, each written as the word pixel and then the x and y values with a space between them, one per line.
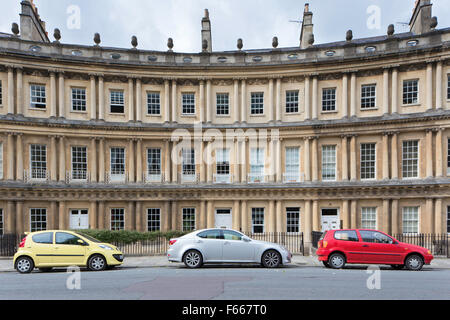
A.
pixel 344 126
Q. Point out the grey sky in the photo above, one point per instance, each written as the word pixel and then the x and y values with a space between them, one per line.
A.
pixel 255 21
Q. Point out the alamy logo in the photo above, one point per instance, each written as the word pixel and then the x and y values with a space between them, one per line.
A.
pixel 73 282
pixel 374 19
pixel 74 18
pixel 374 280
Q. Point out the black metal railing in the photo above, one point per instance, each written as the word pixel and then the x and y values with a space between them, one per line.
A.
pixel 315 237
pixel 291 241
pixel 9 243
pixel 438 244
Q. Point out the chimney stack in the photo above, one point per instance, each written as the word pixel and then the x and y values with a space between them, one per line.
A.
pixel 206 33
pixel 307 29
pixel 421 18
pixel 31 26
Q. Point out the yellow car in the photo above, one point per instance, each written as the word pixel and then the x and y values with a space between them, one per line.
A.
pixel 48 249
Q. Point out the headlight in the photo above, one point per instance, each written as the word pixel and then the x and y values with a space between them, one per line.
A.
pixel 103 246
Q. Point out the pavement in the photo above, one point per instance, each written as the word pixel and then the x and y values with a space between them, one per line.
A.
pixel 160 261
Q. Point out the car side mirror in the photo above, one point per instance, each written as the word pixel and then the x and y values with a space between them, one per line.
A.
pixel 246 239
pixel 81 242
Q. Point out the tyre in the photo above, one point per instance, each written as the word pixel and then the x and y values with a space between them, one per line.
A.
pixel 45 269
pixel 414 262
pixel 193 259
pixel 325 263
pixel 97 263
pixel 271 259
pixel 336 261
pixel 24 265
pixel 397 266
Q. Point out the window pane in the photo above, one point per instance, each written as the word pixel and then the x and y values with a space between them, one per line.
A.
pixel 153 103
pixel 37 96
pixel 410 161
pixel 292 101
pixel 258 220
pixel 293 220
pixel 368 96
pixel 117 102
pixel 329 99
pixel 79 163
pixel 368 160
pixel 410 91
pixel 188 103
pixel 117 219
pixel 188 219
pixel 369 218
pixel 222 104
pixel 78 99
pixel 117 161
pixel 411 220
pixel 154 219
pixel 329 163
pixel 38 219
pixel 257 103
pixel 154 161
pixel 347 235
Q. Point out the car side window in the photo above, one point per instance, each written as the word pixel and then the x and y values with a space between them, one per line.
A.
pixel 375 237
pixel 231 235
pixel 346 235
pixel 210 234
pixel 66 238
pixel 43 238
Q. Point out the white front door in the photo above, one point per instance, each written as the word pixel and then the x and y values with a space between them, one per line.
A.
pixel 330 219
pixel 79 219
pixel 224 219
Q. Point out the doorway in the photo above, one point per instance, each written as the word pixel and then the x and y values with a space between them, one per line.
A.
pixel 223 219
pixel 79 219
pixel 330 219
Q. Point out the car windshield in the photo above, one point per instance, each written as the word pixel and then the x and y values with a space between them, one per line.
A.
pixel 89 237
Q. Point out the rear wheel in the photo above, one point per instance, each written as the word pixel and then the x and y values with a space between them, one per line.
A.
pixel 414 262
pixel 24 265
pixel 336 261
pixel 193 259
pixel 97 263
pixel 271 259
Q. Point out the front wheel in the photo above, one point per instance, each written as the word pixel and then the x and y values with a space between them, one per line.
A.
pixel 414 263
pixel 271 259
pixel 97 263
pixel 336 261
pixel 193 259
pixel 24 265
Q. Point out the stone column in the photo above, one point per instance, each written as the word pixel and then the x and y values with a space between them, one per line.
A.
pixel 174 100
pixel 280 218
pixel 315 159
pixel 439 217
pixel 236 100
pixel 10 90
pixel 52 94
pixel 386 91
pixel 20 106
pixel 243 101
pixel 439 153
pixel 93 98
pixel 344 153
pixel 279 173
pixel 271 222
pixel 63 219
pixel 140 220
pixel 307 157
pixel 278 101
pixel 354 214
pixel 53 160
pixel 429 93
pixel 429 153
pixel 210 214
pixel 308 223
pixel 61 95
pixel 394 157
pixel 210 162
pixel 139 159
pixel 62 159
pixel 19 158
pixel 101 160
pixel 428 217
pixel 395 227
pixel 395 90
pixel 271 111
pixel 101 98
pixel 307 98
pixel 353 95
pixel 236 160
pixel 208 102
pixel 167 161
pixel 236 215
pixel 131 160
pixel 315 106
pixel 175 156
pixel 202 220
pixel 202 162
pixel 101 215
pixel 166 216
pixel 345 95
pixel 243 161
pixel 202 101
pixel 166 101
pixel 439 85
pixel 346 214
pixel 353 164
pixel 10 221
pixel 385 219
pixel 93 160
pixel 138 100
pixel 10 156
pixel 244 216
pixel 52 216
pixel 130 99
pixel 129 216
pixel 316 216
pixel 20 228
pixel 93 215
pixel 385 156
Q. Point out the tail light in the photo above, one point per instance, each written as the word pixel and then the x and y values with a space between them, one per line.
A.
pixel 325 244
pixel 320 244
pixel 172 242
pixel 22 243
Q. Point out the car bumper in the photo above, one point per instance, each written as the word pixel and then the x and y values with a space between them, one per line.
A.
pixel 322 254
pixel 115 258
pixel 428 258
pixel 173 256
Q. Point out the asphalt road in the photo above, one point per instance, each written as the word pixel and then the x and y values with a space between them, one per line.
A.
pixel 228 283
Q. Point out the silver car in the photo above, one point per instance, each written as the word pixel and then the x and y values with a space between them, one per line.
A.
pixel 225 246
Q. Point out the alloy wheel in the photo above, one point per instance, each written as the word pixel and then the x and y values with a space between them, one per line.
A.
pixel 337 261
pixel 192 259
pixel 97 263
pixel 24 265
pixel 271 259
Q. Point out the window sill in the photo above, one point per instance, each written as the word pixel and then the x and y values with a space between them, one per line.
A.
pixel 223 116
pixel 189 115
pixel 287 114
pixel 257 115
pixel 38 109
pixel 116 114
pixel 412 105
pixel 369 109
pixel 329 112
pixel 78 112
pixel 153 115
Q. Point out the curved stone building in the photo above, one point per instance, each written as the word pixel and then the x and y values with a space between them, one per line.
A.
pixel 353 133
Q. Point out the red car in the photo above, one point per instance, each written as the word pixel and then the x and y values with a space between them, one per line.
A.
pixel 338 247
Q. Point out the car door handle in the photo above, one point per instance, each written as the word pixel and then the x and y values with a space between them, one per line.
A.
pixel 365 246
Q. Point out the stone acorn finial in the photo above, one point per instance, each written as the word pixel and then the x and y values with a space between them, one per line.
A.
pixel 57 34
pixel 434 23
pixel 240 44
pixel 204 45
pixel 170 44
pixel 134 42
pixel 275 42
pixel 97 39
pixel 311 39
pixel 15 29
pixel 391 30
pixel 349 35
